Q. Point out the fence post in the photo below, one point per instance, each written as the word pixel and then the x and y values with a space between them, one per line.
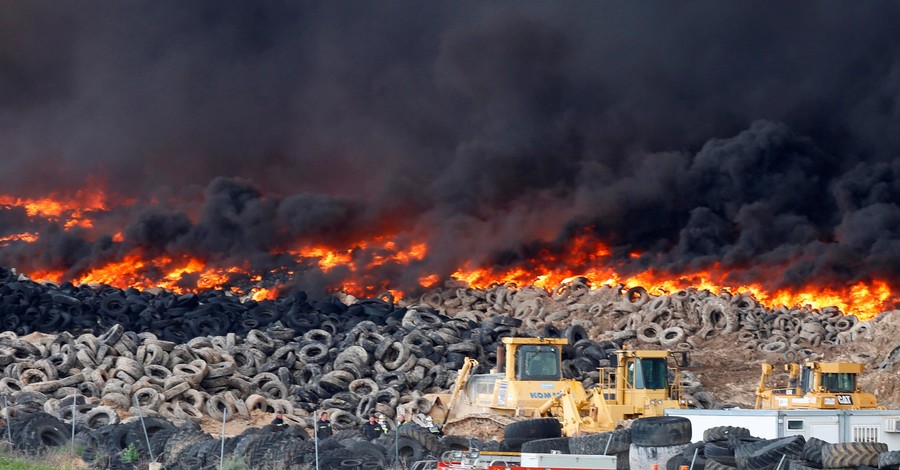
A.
pixel 8 419
pixel 316 435
pixel 74 399
pixel 137 405
pixel 222 450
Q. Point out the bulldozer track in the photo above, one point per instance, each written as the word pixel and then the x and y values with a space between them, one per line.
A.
pixel 482 426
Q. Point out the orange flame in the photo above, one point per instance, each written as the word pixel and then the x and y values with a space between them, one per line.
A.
pixel 584 256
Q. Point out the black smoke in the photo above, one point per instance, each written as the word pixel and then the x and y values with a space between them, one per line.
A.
pixel 694 132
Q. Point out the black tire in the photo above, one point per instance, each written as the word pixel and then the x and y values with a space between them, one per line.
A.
pixel 154 426
pixel 852 454
pixel 720 452
pixel 802 465
pixel 351 464
pixel 720 433
pixel 44 431
pixel 544 446
pixel 368 452
pixel 713 465
pixel 661 431
pixel 768 456
pixel 604 443
pixel 520 432
pixel 409 450
pixel 812 450
pixel 456 443
pixel 889 460
pixel 429 441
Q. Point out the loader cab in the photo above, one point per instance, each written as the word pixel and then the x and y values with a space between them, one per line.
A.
pixel 649 373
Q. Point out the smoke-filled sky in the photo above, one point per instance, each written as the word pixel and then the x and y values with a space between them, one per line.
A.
pixel 744 133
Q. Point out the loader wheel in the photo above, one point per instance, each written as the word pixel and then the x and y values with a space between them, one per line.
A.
pixel 661 431
pixel 520 432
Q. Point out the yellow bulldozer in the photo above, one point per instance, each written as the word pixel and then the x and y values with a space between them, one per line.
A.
pixel 528 383
pixel 816 386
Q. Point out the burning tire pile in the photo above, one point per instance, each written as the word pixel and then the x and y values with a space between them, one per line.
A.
pixel 183 358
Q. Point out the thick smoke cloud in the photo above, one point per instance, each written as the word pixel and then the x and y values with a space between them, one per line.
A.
pixel 693 133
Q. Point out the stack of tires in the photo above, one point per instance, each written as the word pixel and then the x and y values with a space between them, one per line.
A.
pixel 658 439
pixel 716 452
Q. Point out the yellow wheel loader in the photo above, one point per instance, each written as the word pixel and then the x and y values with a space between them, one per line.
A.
pixel 528 384
pixel 816 386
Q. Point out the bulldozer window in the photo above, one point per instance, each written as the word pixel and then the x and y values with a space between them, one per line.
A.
pixel 806 379
pixel 537 363
pixel 845 383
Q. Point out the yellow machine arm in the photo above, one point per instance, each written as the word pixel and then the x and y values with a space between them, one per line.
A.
pixel 574 423
pixel 468 366
pixel 766 372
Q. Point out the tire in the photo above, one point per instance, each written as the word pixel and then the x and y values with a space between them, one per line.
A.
pixel 720 452
pixel 44 431
pixel 713 465
pixel 772 452
pixel 812 450
pixel 604 443
pixel 661 431
pixel 421 435
pixel 720 433
pixel 801 465
pixel 520 432
pixel 409 450
pixel 544 446
pixel 852 454
pixel 889 460
pixel 643 457
pixel 456 443
pixel 368 452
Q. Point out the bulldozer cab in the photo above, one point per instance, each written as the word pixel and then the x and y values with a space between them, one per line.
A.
pixel 829 382
pixel 537 362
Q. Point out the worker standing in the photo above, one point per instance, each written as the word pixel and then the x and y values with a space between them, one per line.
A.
pixel 323 426
pixel 382 425
pixel 370 429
